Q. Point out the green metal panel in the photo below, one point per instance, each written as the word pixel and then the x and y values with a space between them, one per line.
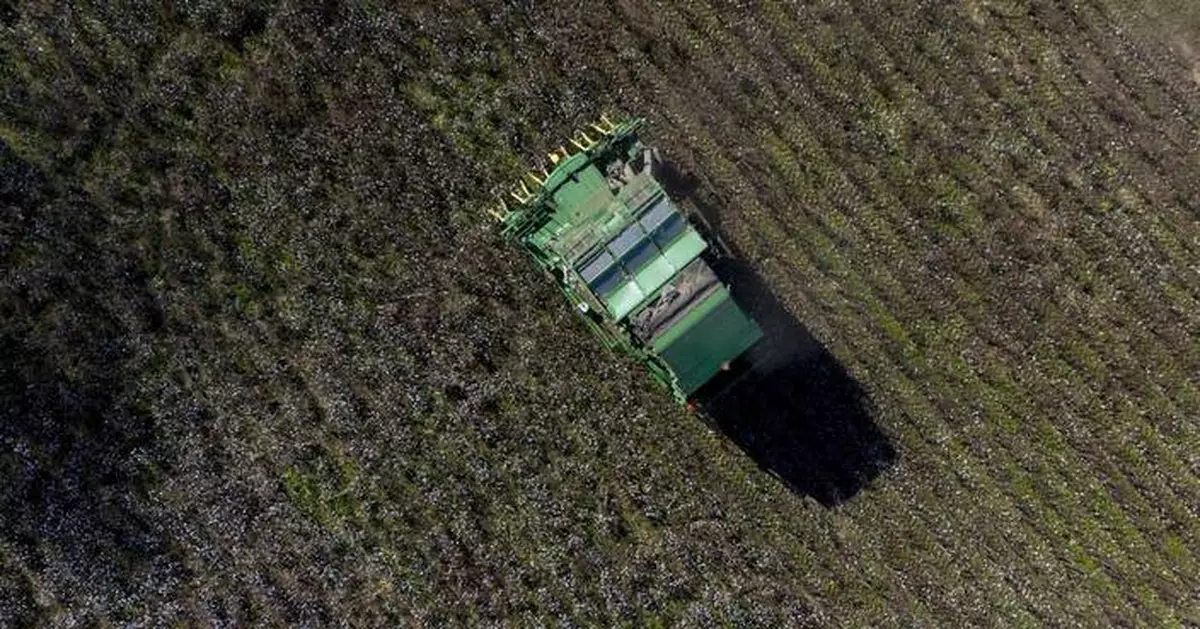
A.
pixel 624 300
pixel 585 194
pixel 685 248
pixel 694 316
pixel 655 274
pixel 564 169
pixel 665 264
pixel 719 336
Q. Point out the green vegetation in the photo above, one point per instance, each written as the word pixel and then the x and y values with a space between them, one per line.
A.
pixel 267 363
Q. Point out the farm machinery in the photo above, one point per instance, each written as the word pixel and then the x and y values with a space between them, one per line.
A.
pixel 633 264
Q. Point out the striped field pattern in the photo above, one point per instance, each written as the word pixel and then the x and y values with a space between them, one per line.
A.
pixel 339 397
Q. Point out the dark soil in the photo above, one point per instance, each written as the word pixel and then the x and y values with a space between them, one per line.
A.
pixel 265 362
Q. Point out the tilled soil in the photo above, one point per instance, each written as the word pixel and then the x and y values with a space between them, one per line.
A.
pixel 265 361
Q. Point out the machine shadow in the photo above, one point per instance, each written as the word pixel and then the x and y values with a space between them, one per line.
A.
pixel 790 404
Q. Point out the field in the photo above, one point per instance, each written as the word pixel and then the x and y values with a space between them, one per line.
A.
pixel 266 362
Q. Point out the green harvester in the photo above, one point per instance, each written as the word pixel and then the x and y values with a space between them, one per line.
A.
pixel 627 257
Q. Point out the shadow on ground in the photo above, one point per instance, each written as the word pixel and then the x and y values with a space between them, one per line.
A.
pixel 790 405
pixel 72 453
